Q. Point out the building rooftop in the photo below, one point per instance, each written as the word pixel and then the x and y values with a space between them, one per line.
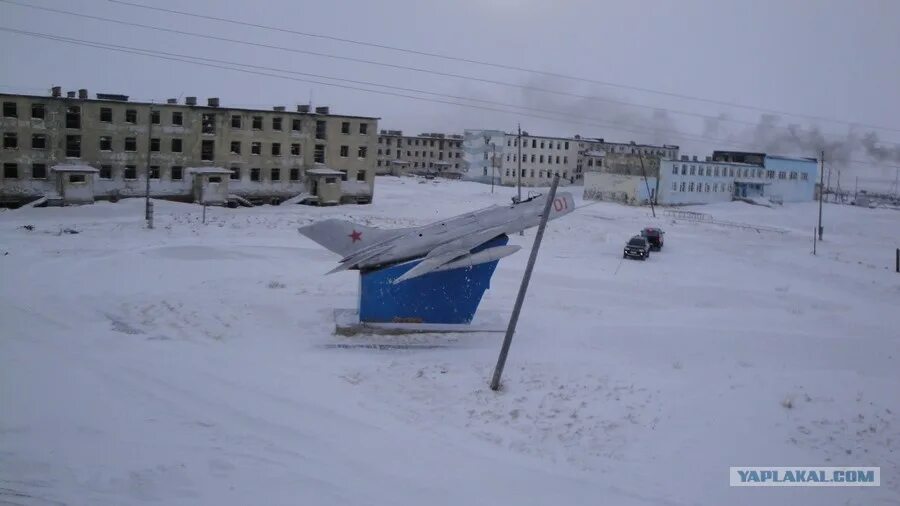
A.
pixel 793 158
pixel 107 98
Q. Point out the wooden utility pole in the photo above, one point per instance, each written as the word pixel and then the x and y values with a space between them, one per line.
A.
pixel 520 298
pixel 519 173
pixel 647 184
pixel 821 190
pixel 148 216
pixel 519 169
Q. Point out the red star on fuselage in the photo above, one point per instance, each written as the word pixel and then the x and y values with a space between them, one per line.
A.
pixel 355 236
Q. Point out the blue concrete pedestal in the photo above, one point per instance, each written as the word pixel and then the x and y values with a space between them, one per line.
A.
pixel 446 297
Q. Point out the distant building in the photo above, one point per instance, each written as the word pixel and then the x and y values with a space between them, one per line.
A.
pixel 266 152
pixel 543 156
pixel 428 153
pixel 729 174
pixel 624 172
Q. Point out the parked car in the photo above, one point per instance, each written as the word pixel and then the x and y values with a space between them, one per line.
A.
pixel 654 236
pixel 637 247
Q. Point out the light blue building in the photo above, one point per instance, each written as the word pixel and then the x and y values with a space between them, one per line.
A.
pixel 730 174
pixel 792 179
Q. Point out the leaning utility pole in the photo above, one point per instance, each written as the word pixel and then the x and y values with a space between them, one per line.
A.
pixel 821 190
pixel 148 212
pixel 526 278
pixel 647 184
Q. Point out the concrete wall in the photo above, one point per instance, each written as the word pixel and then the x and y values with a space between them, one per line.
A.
pixel 618 187
pixel 114 162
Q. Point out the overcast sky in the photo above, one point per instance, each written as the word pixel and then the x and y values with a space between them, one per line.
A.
pixel 829 59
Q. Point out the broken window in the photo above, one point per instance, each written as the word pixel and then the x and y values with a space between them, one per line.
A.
pixel 320 129
pixel 130 116
pixel 130 172
pixel 345 151
pixel 254 174
pixel 276 149
pixel 38 171
pixel 276 123
pixel 10 170
pixel 176 145
pixel 37 111
pixel 10 140
pixel 295 175
pixel 177 118
pixel 296 124
pixel 275 174
pixel 295 149
pixel 106 115
pixel 361 175
pixel 154 117
pixel 106 172
pixel 255 148
pixel 154 172
pixel 319 153
pixel 130 144
pixel 73 146
pixel 330 180
pixel 257 122
pixel 235 145
pixel 38 141
pixel 236 121
pixel 235 174
pixel 207 150
pixel 362 152
pixel 363 128
pixel 177 173
pixel 209 123
pixel 215 179
pixel 154 145
pixel 76 178
pixel 73 116
pixel 10 110
pixel 345 127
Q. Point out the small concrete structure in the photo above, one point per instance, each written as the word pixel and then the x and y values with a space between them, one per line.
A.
pixel 75 183
pixel 210 185
pixel 325 185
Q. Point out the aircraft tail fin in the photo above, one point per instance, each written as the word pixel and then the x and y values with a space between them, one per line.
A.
pixel 345 237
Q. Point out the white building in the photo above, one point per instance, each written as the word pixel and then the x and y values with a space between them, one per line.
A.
pixel 693 181
pixel 778 178
pixel 481 148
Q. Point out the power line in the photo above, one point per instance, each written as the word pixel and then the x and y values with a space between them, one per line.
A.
pixel 226 65
pixel 503 66
pixel 397 66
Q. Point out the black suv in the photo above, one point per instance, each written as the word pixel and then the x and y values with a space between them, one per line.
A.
pixel 654 236
pixel 637 247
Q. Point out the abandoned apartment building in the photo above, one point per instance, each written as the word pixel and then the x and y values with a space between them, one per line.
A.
pixel 426 154
pixel 73 149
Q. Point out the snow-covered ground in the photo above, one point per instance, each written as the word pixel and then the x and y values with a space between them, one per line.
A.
pixel 195 364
